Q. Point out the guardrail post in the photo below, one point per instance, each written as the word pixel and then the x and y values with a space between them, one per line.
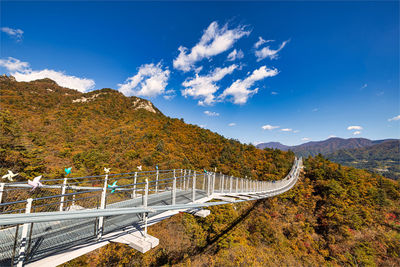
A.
pixel 102 206
pixel 145 201
pixel 146 193
pixel 237 184
pixel 204 181
pixel 157 180
pixel 180 180
pixel 222 187
pixel 208 184
pixel 213 184
pixel 134 186
pixel 194 187
pixel 62 193
pixel 230 184
pixel 188 180
pixel 174 190
pixel 24 236
pixel 1 191
pixel 184 180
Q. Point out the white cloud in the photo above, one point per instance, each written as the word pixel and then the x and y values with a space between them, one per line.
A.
pixel 274 93
pixel 261 41
pixel 211 113
pixel 13 64
pixel 364 86
pixel 22 73
pixel 150 81
pixel 268 52
pixel 356 133
pixel 315 109
pixel 296 131
pixel 239 90
pixel 204 87
pixel 269 127
pixel 354 128
pixel 396 118
pixel 332 136
pixel 15 33
pixel 232 124
pixel 169 97
pixel 286 130
pixel 214 41
pixel 305 139
pixel 235 55
pixel 80 84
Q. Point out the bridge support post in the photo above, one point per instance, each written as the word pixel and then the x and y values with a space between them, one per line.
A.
pixel 102 206
pixel 194 187
pixel 230 184
pixel 134 186
pixel 1 191
pixel 24 236
pixel 173 201
pixel 62 193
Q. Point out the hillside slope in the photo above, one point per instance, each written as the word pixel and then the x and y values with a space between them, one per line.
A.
pixel 46 128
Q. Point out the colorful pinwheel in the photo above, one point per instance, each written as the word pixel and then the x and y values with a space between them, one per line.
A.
pixel 113 186
pixel 68 170
pixel 10 175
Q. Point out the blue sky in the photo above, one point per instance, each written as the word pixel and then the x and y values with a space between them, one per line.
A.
pixel 319 69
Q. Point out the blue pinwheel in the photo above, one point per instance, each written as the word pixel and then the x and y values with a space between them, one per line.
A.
pixel 156 167
pixel 68 170
pixel 113 186
pixel 205 171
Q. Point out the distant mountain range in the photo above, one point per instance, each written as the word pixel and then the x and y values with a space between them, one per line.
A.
pixel 380 156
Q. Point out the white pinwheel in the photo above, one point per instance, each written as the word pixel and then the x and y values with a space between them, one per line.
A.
pixel 139 167
pixel 35 183
pixel 10 175
pixel 106 170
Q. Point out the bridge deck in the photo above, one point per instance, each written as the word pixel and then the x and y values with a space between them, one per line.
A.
pixel 52 237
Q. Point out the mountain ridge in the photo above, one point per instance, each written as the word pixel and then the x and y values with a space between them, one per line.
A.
pixel 324 146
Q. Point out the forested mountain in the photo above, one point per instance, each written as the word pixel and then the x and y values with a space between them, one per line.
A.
pixel 324 147
pixel 333 216
pixel 46 128
pixel 379 156
pixel 383 158
pixel 273 145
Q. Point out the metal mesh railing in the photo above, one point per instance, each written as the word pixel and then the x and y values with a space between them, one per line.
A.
pixel 172 188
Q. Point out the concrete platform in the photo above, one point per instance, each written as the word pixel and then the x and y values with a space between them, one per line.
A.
pixel 138 241
pixel 227 199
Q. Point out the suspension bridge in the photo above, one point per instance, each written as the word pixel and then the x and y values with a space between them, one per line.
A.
pixel 69 217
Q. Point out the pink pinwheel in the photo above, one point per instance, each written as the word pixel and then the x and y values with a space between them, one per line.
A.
pixel 35 183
